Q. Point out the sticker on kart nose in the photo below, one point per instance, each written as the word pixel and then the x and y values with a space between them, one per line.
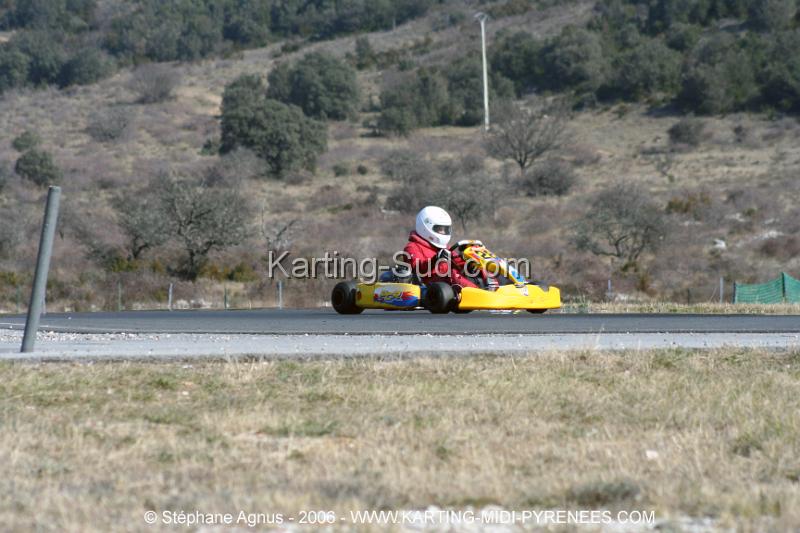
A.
pixel 395 297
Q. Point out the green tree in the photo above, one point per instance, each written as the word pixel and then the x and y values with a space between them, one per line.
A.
pixel 280 134
pixel 648 68
pixel 576 59
pixel 718 77
pixel 13 68
pixel 772 15
pixel 247 22
pixel 465 87
pixel 85 67
pixel 780 76
pixel 38 166
pixel 422 99
pixel 517 57
pixel 320 84
pixel 45 55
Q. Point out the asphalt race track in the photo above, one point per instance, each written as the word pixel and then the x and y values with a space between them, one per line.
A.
pixel 327 322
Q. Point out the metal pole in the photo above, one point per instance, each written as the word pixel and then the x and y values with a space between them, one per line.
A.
pixel 42 266
pixel 280 295
pixel 119 295
pixel 482 17
pixel 721 289
pixel 225 298
pixel 169 298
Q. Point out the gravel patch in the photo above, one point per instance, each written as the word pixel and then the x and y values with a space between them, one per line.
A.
pixel 52 345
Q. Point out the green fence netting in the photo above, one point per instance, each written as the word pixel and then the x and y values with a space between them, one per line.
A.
pixel 791 289
pixel 784 289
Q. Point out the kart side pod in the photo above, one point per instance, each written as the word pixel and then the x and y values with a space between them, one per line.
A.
pixel 393 296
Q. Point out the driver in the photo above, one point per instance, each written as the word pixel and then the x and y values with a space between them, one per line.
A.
pixel 427 251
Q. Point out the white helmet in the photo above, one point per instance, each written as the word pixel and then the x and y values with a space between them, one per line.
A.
pixel 433 225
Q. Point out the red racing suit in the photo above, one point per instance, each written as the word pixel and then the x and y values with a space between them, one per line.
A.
pixel 421 255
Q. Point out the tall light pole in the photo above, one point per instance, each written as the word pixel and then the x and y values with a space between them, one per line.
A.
pixel 482 18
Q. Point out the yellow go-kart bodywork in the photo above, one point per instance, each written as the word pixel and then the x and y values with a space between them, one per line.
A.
pixel 406 296
pixel 512 292
pixel 530 297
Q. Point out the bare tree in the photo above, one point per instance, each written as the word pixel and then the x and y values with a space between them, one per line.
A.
pixel 142 220
pixel 200 218
pixel 278 236
pixel 465 189
pixel 621 222
pixel 523 134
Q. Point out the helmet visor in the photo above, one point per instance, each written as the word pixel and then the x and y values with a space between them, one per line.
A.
pixel 441 230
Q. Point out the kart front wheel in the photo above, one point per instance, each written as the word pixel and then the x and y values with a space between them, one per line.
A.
pixel 343 298
pixel 440 298
pixel 537 311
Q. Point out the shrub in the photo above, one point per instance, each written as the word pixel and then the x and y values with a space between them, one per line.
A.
pixel 11 235
pixel 320 84
pixel 25 141
pixel 38 166
pixel 549 178
pixel 110 124
pixel 342 169
pixel 362 169
pixel 365 55
pixel 233 167
pixel 397 120
pixel 412 178
pixel 688 131
pixel 5 174
pixel 154 83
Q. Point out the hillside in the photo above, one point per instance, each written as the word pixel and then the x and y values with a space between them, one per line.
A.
pixel 728 201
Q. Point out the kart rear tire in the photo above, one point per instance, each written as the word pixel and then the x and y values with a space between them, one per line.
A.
pixel 440 298
pixel 343 298
pixel 537 311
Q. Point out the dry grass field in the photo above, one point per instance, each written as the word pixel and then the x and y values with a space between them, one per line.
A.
pixel 701 434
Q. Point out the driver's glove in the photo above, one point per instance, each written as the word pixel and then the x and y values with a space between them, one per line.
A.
pixel 443 255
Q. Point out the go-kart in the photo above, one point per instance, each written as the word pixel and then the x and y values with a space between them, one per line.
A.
pixel 500 287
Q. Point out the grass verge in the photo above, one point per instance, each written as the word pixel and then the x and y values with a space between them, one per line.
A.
pixel 91 447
